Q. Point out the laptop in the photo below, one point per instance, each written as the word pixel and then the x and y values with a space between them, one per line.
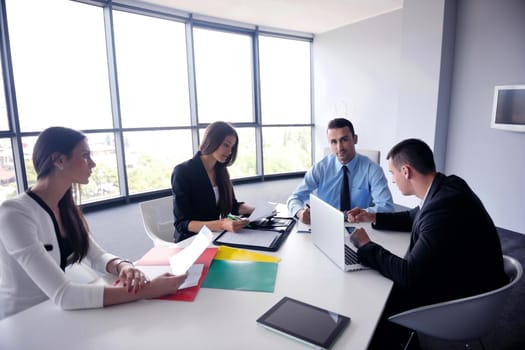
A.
pixel 330 235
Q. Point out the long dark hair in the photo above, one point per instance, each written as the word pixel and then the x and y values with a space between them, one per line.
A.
pixel 213 137
pixel 59 140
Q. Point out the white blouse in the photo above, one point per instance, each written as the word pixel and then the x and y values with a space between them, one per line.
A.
pixel 216 192
pixel 30 274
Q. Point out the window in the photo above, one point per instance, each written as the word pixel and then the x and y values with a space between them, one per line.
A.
pixel 59 64
pixel 4 125
pixel 152 155
pixel 285 99
pixel 223 69
pixel 286 149
pixel 285 81
pixel 7 171
pixel 142 84
pixel 152 71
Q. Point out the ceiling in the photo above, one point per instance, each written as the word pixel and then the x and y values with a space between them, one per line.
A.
pixel 308 16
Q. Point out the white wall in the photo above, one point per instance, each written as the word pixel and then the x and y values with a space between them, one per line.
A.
pixel 490 50
pixel 428 71
pixel 356 76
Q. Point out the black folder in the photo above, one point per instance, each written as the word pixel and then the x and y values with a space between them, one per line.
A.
pixel 277 227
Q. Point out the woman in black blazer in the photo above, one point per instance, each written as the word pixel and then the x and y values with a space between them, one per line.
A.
pixel 202 191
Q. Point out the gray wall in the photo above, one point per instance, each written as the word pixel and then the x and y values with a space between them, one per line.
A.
pixel 356 75
pixel 429 71
pixel 490 50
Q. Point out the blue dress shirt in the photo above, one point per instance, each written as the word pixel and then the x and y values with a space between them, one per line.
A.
pixel 368 185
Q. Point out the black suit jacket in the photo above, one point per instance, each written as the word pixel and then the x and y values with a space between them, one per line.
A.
pixel 193 197
pixel 454 249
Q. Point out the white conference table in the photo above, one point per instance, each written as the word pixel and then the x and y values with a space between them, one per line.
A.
pixel 218 319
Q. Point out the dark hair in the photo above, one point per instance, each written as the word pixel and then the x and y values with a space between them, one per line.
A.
pixel 339 123
pixel 213 137
pixel 59 140
pixel 415 153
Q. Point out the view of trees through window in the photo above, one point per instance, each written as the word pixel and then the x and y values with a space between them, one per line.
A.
pixel 143 97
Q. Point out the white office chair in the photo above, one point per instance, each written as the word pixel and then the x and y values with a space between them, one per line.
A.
pixel 157 216
pixel 370 153
pixel 462 320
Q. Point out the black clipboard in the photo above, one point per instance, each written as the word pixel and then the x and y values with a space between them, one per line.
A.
pixel 280 227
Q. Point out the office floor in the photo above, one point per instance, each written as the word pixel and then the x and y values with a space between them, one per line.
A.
pixel 120 231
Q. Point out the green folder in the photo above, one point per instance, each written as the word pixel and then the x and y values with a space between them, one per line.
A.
pixel 241 275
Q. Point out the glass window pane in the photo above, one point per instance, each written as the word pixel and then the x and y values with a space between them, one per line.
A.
pixel 103 183
pixel 285 81
pixel 8 187
pixel 59 64
pixel 280 143
pixel 4 125
pixel 223 69
pixel 28 144
pixel 152 155
pixel 152 71
pixel 246 163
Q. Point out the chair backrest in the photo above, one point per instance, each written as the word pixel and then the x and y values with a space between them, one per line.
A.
pixel 462 319
pixel 370 153
pixel 157 217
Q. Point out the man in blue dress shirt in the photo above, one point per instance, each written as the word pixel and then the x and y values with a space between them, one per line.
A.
pixel 367 184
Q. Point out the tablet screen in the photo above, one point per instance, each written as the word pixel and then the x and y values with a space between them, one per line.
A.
pixel 304 321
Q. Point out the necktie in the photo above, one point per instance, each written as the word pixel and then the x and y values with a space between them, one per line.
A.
pixel 345 191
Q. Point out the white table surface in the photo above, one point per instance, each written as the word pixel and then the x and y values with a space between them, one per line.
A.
pixel 218 319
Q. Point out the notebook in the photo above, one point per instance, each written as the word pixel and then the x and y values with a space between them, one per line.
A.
pixel 330 235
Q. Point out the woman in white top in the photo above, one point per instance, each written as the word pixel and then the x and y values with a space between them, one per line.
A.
pixel 43 231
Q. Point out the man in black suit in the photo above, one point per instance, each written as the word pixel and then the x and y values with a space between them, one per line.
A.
pixel 454 250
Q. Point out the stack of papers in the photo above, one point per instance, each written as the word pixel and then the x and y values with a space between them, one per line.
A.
pixel 195 259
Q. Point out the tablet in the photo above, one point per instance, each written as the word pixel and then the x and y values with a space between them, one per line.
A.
pixel 304 322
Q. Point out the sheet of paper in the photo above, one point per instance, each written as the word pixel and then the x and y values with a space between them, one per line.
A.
pixel 181 262
pixel 194 273
pixel 262 211
pixel 259 238
pixel 302 227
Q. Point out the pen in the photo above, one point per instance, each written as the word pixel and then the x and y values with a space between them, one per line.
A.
pixel 308 205
pixel 235 218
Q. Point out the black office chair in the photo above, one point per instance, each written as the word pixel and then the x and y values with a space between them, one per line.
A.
pixel 461 320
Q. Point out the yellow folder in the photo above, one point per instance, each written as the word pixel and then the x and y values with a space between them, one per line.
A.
pixel 230 253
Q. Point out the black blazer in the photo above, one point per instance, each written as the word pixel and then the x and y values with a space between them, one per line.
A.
pixel 454 249
pixel 193 197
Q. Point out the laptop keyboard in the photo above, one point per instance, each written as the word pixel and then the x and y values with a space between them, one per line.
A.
pixel 350 256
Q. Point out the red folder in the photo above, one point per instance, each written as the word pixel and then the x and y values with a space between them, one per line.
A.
pixel 161 255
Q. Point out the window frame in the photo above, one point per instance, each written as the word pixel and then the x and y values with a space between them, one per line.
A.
pixel 190 21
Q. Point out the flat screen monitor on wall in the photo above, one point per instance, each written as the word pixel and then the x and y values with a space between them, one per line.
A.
pixel 508 111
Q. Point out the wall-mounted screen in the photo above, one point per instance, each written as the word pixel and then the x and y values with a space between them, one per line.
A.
pixel 508 111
